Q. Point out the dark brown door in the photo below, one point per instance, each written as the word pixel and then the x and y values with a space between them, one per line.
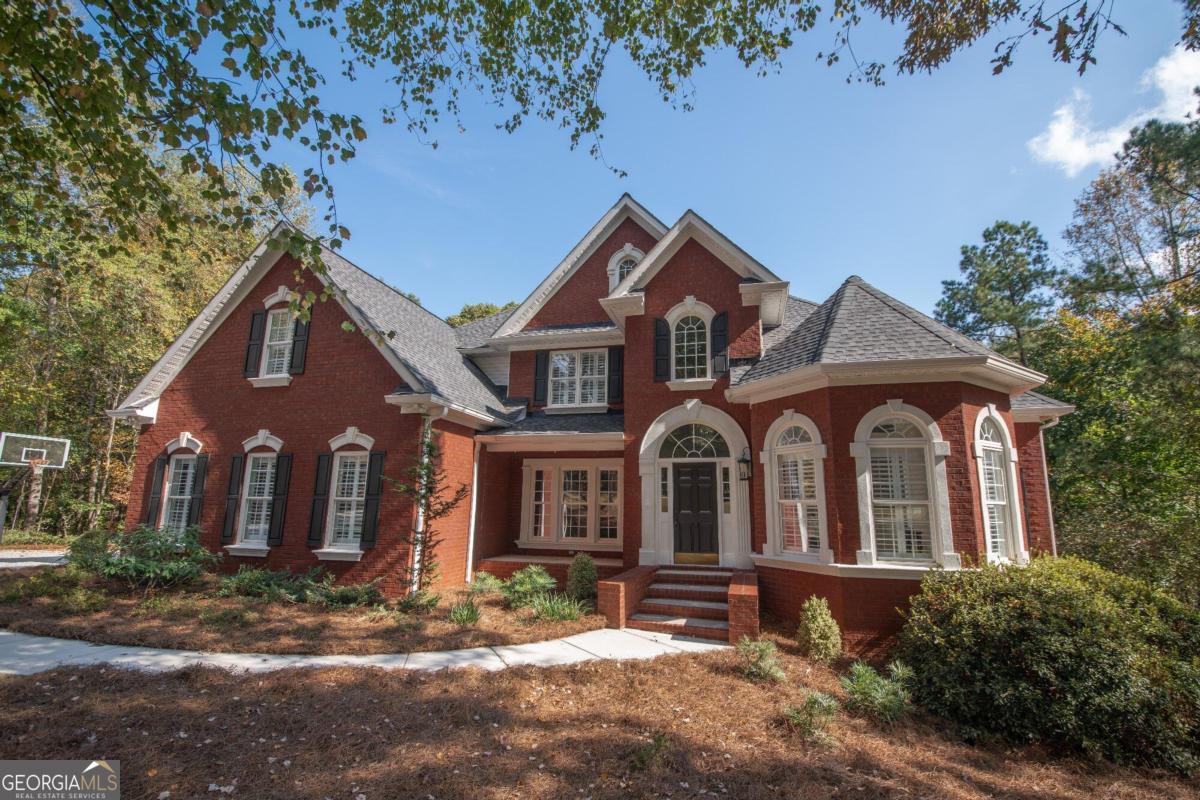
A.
pixel 695 508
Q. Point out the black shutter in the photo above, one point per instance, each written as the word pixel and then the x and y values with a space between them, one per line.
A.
pixel 616 374
pixel 374 490
pixel 720 344
pixel 662 350
pixel 299 348
pixel 283 476
pixel 197 491
pixel 154 501
pixel 258 326
pixel 320 501
pixel 232 496
pixel 541 374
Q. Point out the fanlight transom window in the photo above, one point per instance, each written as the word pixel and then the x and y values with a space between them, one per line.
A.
pixel 993 469
pixel 694 441
pixel 795 435
pixel 896 429
pixel 625 267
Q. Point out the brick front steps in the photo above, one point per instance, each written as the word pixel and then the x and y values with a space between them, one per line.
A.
pixel 689 601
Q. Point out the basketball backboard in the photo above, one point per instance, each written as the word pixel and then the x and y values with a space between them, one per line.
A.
pixel 19 449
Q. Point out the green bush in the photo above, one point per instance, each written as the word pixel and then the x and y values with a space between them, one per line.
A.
pixel 50 583
pixel 527 583
pixel 89 552
pixel 810 718
pixel 818 635
pixel 345 595
pixel 418 602
pixel 271 585
pixel 146 558
pixel 760 660
pixel 465 614
pixel 29 537
pixel 873 695
pixel 1061 652
pixel 486 583
pixel 556 607
pixel 581 577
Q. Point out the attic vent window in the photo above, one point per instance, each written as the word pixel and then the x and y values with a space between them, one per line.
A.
pixel 622 263
pixel 625 267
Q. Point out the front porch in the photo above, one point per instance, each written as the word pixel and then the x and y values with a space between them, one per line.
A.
pixel 694 601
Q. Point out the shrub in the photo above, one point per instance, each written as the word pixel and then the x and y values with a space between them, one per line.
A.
pixel 525 584
pixel 418 602
pixel 89 552
pixel 581 577
pixel 146 558
pixel 810 718
pixel 345 595
pixel 486 583
pixel 271 585
pixel 556 607
pixel 464 614
pixel 872 695
pixel 818 635
pixel 645 756
pixel 760 661
pixel 1061 652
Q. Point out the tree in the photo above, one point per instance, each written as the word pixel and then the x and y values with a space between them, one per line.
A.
pixel 1006 290
pixel 87 85
pixel 473 312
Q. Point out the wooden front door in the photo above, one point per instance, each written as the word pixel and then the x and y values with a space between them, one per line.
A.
pixel 696 510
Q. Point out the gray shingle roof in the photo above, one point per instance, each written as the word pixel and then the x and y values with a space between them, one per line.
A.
pixel 858 323
pixel 426 344
pixel 474 334
pixel 574 327
pixel 1033 399
pixel 540 422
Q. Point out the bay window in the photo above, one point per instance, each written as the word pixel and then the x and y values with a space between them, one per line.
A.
pixel 794 460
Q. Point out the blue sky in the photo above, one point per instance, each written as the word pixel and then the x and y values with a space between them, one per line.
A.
pixel 815 178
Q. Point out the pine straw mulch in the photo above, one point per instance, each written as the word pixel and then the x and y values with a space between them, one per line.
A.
pixel 195 618
pixel 581 731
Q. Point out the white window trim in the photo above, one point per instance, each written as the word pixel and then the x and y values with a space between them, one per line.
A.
pixel 1016 533
pixel 554 468
pixel 814 450
pixel 352 437
pixel 166 488
pixel 614 263
pixel 936 452
pixel 184 441
pixel 691 307
pixel 551 406
pixel 263 376
pixel 281 295
pixel 345 551
pixel 263 439
pixel 240 545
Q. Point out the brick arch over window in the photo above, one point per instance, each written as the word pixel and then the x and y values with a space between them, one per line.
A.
pixel 867 451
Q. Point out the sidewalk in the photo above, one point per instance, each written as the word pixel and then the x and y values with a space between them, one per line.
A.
pixel 17 558
pixel 21 654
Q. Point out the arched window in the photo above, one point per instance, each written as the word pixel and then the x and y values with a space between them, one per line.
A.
pixel 625 266
pixel 694 441
pixel 796 504
pixel 900 495
pixel 622 263
pixel 691 348
pixel 994 458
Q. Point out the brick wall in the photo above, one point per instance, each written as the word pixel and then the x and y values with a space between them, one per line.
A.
pixel 578 300
pixel 1039 524
pixel 344 382
pixel 456 452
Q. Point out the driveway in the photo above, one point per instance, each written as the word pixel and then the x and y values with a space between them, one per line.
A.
pixel 18 559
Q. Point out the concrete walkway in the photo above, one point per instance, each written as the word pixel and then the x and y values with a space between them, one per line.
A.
pixel 16 558
pixel 21 654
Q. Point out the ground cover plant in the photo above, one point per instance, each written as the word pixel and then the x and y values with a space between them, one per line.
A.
pixel 680 726
pixel 1076 657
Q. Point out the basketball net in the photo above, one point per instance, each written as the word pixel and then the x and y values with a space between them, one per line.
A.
pixel 37 464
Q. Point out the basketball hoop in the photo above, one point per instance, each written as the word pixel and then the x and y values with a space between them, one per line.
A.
pixel 37 464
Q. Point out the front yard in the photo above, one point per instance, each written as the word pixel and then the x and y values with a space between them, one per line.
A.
pixel 677 727
pixel 196 617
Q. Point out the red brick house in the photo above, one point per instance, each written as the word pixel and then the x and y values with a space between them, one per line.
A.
pixel 660 401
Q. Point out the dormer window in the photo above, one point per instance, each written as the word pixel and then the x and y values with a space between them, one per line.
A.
pixel 622 263
pixel 277 355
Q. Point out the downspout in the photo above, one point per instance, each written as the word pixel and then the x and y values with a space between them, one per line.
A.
pixel 1046 479
pixel 474 504
pixel 419 527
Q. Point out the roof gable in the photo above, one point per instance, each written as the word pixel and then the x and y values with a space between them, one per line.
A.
pixel 625 208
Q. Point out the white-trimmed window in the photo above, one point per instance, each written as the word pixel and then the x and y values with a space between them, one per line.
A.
pixel 571 503
pixel 623 262
pixel 257 494
pixel 996 462
pixel 181 485
pixel 277 349
pixel 900 491
pixel 794 458
pixel 690 348
pixel 578 378
pixel 347 500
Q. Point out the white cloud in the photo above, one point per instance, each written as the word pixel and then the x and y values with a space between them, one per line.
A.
pixel 1071 143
